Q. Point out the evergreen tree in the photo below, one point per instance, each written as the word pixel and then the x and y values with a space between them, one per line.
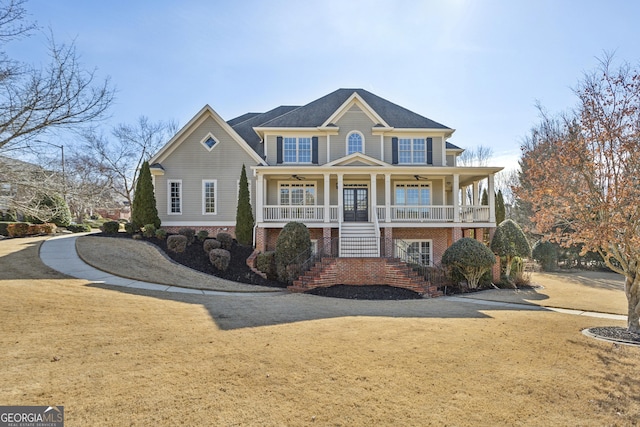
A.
pixel 485 198
pixel 510 242
pixel 144 210
pixel 244 213
pixel 500 209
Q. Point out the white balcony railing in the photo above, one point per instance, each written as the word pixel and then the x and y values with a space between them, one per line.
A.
pixel 428 213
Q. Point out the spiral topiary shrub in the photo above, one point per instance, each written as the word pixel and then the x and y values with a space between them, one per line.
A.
pixel 471 258
pixel 211 244
pixel 220 258
pixel 111 227
pixel 189 233
pixel 177 243
pixel 225 240
pixel 293 246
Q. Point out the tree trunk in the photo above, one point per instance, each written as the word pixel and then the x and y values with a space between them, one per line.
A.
pixel 632 289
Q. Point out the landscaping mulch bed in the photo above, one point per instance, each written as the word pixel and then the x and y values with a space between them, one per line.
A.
pixel 615 334
pixel 369 292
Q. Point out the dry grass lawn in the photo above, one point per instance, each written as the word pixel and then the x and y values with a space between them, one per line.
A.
pixel 113 356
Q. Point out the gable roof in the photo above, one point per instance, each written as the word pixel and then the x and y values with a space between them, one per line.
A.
pixel 317 112
pixel 206 111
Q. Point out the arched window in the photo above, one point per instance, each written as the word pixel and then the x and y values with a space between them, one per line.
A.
pixel 355 142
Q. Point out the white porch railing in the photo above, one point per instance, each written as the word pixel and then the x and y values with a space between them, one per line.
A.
pixel 399 213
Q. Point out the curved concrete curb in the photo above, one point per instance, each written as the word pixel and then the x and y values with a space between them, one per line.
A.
pixel 60 254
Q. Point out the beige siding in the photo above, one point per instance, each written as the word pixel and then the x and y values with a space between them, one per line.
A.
pixel 437 148
pixel 271 145
pixel 192 163
pixel 355 119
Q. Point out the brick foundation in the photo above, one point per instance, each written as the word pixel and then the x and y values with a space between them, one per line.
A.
pixel 213 231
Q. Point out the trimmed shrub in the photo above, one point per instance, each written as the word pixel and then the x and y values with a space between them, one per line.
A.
pixel 225 240
pixel 220 258
pixel 34 229
pixel 111 227
pixel 79 228
pixel 202 235
pixel 161 234
pixel 546 253
pixel 266 262
pixel 471 258
pixel 244 213
pixel 189 233
pixel 177 243
pixel 143 208
pixel 18 229
pixel 149 230
pixel 137 237
pixel 211 244
pixel 510 242
pixel 131 227
pixel 3 228
pixel 293 244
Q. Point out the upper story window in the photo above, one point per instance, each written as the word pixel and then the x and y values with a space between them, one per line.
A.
pixel 297 149
pixel 209 142
pixel 412 150
pixel 355 142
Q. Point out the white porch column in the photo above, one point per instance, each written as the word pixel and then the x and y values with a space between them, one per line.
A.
pixel 387 197
pixel 259 198
pixel 476 190
pixel 340 198
pixel 492 199
pixel 374 194
pixel 328 148
pixel 327 198
pixel 456 198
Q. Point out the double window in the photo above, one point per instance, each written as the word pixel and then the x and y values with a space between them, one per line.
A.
pixel 414 251
pixel 175 197
pixel 412 151
pixel 413 194
pixel 297 150
pixel 297 194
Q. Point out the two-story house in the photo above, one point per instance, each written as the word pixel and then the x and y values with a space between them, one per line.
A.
pixel 365 175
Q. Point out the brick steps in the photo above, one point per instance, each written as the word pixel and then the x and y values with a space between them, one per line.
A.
pixel 363 271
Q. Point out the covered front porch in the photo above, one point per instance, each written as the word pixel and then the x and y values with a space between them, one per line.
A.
pixel 379 195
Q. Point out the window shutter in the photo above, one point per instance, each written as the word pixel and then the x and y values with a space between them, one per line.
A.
pixel 394 150
pixel 429 151
pixel 314 150
pixel 279 149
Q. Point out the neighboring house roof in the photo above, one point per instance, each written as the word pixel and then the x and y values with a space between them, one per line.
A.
pixel 450 146
pixel 317 112
pixel 244 125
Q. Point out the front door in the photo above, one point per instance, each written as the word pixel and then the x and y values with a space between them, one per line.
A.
pixel 356 204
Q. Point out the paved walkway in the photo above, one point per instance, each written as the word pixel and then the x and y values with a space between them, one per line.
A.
pixel 60 254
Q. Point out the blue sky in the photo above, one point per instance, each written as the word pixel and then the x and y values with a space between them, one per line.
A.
pixel 476 66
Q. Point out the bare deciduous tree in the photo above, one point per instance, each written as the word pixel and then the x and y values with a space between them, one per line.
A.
pixel 33 100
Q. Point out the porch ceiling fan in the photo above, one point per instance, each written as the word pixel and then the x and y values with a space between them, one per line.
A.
pixel 418 177
pixel 298 177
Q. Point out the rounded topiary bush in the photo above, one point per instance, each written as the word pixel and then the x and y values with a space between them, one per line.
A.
pixel 189 233
pixel 210 244
pixel 161 234
pixel 110 227
pixel 471 258
pixel 177 243
pixel 293 246
pixel 131 227
pixel 220 258
pixel 266 262
pixel 202 235
pixel 225 239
